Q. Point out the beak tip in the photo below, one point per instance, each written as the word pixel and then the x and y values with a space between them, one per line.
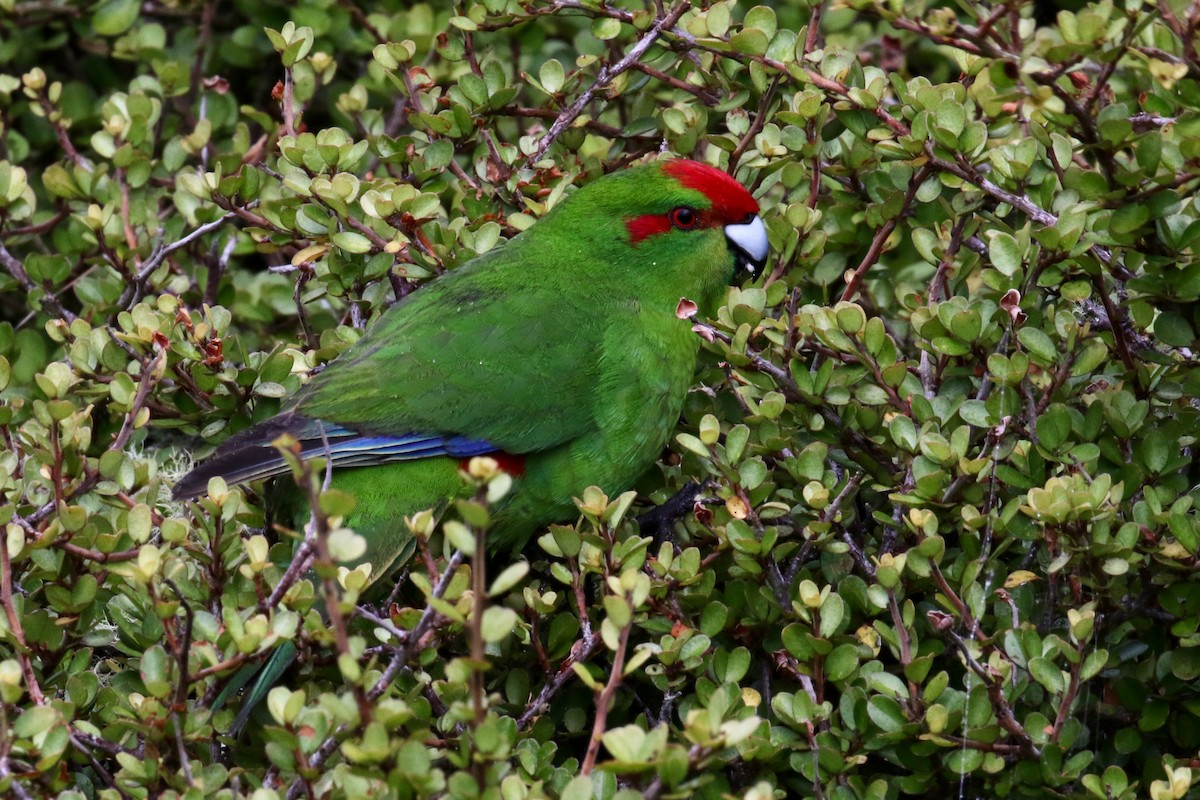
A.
pixel 750 244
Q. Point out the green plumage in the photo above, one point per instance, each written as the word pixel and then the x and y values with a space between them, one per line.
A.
pixel 561 348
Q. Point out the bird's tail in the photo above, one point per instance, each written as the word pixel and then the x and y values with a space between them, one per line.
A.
pixel 251 454
pixel 264 679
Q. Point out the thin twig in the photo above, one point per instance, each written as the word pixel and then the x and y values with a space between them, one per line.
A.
pixel 760 119
pixel 49 302
pixel 881 236
pixel 606 76
pixel 605 698
pixel 478 687
pixel 398 662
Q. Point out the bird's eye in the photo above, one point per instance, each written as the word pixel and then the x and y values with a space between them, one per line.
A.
pixel 684 218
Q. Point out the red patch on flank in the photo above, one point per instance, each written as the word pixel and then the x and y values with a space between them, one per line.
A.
pixel 513 465
pixel 647 225
pixel 730 200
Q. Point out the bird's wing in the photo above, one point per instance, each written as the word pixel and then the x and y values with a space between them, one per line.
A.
pixel 479 361
pixel 250 455
pixel 493 355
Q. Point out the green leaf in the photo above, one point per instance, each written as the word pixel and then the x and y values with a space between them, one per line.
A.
pixel 833 611
pixel 689 442
pixel 761 18
pixel 718 19
pixel 140 523
pixel 460 536
pixel 751 41
pixel 888 684
pixel 284 704
pixel 346 546
pixel 579 788
pixel 1092 665
pixel 605 28
pixel 886 713
pixel 36 720
pixel 512 575
pixel 1129 217
pixel 1004 252
pixel 714 618
pixel 551 75
pixel 964 760
pixel 114 17
pixel 1054 426
pixel 352 242
pixel 950 347
pixel 154 667
pixel 1038 345
pixel 904 433
pixel 1047 674
pixel 841 662
pixel 498 623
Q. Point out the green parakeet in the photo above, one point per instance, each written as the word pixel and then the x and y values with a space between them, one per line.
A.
pixel 562 354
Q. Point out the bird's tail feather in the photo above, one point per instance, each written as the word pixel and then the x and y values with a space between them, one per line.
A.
pixel 246 456
pixel 264 679
pixel 250 455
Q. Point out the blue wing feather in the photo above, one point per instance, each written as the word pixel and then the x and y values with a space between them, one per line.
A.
pixel 379 449
pixel 250 455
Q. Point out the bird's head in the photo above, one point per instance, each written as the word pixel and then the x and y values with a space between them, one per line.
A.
pixel 676 228
pixel 696 199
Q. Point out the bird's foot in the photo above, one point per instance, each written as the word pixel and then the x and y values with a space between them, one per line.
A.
pixel 659 522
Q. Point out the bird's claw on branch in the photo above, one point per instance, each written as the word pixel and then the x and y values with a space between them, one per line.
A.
pixel 659 522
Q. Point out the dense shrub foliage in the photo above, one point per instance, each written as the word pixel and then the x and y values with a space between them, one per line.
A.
pixel 949 536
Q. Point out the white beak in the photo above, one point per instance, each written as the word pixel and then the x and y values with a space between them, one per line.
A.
pixel 749 241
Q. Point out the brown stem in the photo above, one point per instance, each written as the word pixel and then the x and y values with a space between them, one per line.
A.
pixel 995 691
pixel 905 641
pixel 937 286
pixel 1116 319
pixel 1064 707
pixel 606 76
pixel 221 666
pixel 337 621
pixel 813 36
pixel 398 662
pixel 300 563
pixel 699 92
pixel 97 556
pixel 289 112
pixel 14 622
pixel 605 699
pixel 545 113
pixel 149 378
pixel 49 302
pixel 478 655
pixel 881 236
pixel 54 117
pixel 760 119
pixel 1020 202
pixel 131 240
pixel 36 229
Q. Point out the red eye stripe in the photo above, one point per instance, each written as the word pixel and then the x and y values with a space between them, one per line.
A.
pixel 646 225
pixel 652 224
pixel 730 200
